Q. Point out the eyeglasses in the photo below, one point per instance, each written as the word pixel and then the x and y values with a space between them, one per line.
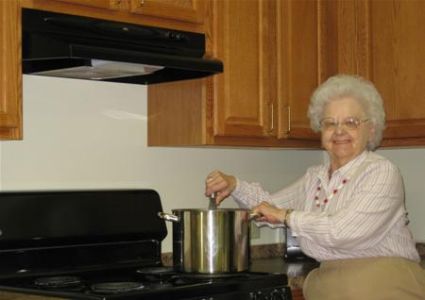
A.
pixel 350 123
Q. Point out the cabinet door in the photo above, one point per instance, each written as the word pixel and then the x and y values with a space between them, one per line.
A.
pixel 10 72
pixel 183 10
pixel 108 4
pixel 304 61
pixel 244 34
pixel 395 61
pixel 387 48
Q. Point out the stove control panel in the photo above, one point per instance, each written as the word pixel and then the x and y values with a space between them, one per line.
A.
pixel 276 293
pixel 282 293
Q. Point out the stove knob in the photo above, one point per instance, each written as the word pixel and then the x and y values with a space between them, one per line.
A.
pixel 255 295
pixel 278 294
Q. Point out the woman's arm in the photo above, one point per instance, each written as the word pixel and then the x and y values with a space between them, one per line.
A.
pixel 252 194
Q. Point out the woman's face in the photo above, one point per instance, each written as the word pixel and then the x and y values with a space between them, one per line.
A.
pixel 345 130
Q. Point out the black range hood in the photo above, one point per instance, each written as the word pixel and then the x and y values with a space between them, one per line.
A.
pixel 70 46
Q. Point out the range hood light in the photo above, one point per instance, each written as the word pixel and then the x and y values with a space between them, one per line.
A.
pixel 102 69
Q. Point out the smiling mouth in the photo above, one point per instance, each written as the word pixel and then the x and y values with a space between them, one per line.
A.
pixel 341 142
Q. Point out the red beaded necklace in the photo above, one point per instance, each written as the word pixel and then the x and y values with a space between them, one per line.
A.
pixel 330 196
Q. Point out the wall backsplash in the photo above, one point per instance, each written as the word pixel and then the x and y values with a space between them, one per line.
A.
pixel 92 135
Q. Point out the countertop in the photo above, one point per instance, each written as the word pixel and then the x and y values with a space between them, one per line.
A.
pixel 296 271
pixel 269 258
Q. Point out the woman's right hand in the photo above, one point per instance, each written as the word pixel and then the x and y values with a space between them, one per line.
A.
pixel 221 184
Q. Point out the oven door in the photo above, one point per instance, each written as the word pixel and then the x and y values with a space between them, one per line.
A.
pixel 273 293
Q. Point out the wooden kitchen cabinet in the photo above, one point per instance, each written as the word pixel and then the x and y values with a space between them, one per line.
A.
pixel 10 71
pixel 386 46
pixel 106 4
pixel 186 15
pixel 304 51
pixel 276 52
pixel 379 40
pixel 244 39
pixel 183 10
pixel 241 107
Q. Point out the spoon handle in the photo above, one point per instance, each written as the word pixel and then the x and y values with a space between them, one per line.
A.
pixel 213 204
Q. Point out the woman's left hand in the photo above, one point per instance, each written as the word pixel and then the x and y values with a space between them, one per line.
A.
pixel 269 213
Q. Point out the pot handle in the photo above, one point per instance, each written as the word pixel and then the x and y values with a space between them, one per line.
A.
pixel 168 217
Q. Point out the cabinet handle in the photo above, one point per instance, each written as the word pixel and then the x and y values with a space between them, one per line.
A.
pixel 272 117
pixel 289 119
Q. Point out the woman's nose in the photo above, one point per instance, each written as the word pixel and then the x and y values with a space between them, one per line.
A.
pixel 340 128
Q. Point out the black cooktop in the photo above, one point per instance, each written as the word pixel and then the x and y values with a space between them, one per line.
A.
pixel 105 245
pixel 139 284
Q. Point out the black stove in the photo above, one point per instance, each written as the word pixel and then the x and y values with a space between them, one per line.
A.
pixel 105 245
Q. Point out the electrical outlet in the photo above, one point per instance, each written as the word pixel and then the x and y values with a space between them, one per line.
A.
pixel 255 231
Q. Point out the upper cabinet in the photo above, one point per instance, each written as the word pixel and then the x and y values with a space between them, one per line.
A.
pixel 304 60
pixel 244 93
pixel 275 53
pixel 10 71
pixel 176 14
pixel 108 4
pixel 183 10
pixel 247 105
pixel 383 41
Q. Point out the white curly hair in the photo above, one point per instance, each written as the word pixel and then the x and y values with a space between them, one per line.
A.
pixel 339 86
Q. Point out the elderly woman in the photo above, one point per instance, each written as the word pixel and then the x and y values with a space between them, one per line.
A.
pixel 349 212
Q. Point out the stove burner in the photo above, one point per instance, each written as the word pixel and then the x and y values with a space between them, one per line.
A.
pixel 156 271
pixel 196 278
pixel 116 287
pixel 160 285
pixel 56 282
pixel 156 274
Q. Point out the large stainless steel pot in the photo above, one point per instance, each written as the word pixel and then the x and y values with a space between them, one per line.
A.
pixel 210 241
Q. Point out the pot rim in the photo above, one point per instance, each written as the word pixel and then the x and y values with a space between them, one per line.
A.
pixel 213 210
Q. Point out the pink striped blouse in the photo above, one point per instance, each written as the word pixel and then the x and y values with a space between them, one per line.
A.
pixel 364 217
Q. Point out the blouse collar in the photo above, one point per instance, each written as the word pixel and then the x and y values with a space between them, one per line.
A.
pixel 343 171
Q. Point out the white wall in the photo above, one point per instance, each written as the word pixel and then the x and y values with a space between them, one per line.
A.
pixel 84 134
pixel 87 135
pixel 411 163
